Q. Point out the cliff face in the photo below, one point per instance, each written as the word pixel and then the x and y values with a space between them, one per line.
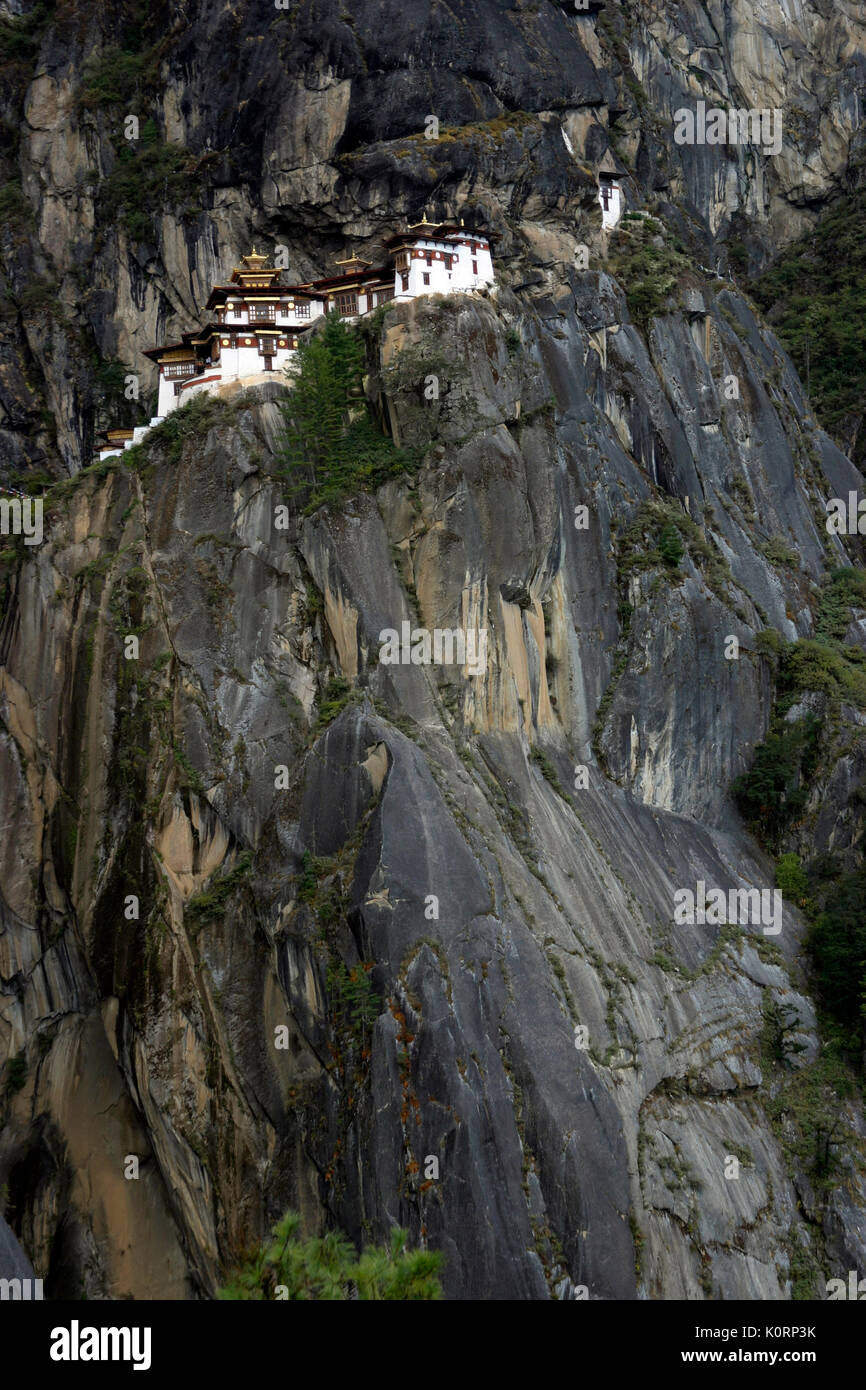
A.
pixel 304 126
pixel 400 874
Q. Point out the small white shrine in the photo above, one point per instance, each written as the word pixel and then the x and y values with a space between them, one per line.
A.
pixel 256 322
pixel 610 198
pixel 438 258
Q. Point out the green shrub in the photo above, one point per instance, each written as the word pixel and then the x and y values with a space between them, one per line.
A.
pixel 146 178
pixel 829 669
pixel 791 879
pixel 20 35
pixel 39 297
pixel 648 271
pixel 769 642
pixel 210 903
pixel 112 79
pixel 187 422
pixel 778 553
pixel 774 791
pixel 14 207
pixel 308 880
pixel 745 1155
pixel 738 256
pixel 742 333
pixel 846 589
pixel 806 1104
pixel 661 517
pixel 817 292
pixel 740 489
pixel 112 406
pixel 513 341
pixel 625 613
pixel 327 1268
pixel 338 693
pixel 126 73
pixel 16 1074
pixel 773 794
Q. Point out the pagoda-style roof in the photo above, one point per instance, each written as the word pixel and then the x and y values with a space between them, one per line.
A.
pixel 220 293
pixel 117 434
pixel 184 350
pixel 355 278
pixel 432 231
pixel 435 231
pixel 424 225
pixel 353 262
pixel 198 336
pixel 171 352
pixel 254 271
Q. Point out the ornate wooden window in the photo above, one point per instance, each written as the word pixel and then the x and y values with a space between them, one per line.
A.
pixel 347 304
pixel 261 311
pixel 302 311
pixel 178 369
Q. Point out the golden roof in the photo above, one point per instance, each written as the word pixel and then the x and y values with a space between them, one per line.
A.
pixel 253 264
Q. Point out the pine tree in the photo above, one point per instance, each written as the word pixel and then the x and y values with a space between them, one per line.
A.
pixel 327 1268
pixel 839 947
pixel 670 546
pixel 331 445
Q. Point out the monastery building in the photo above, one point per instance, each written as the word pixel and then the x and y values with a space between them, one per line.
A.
pixel 256 322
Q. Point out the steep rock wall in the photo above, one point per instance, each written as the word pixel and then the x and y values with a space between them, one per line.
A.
pixel 260 888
